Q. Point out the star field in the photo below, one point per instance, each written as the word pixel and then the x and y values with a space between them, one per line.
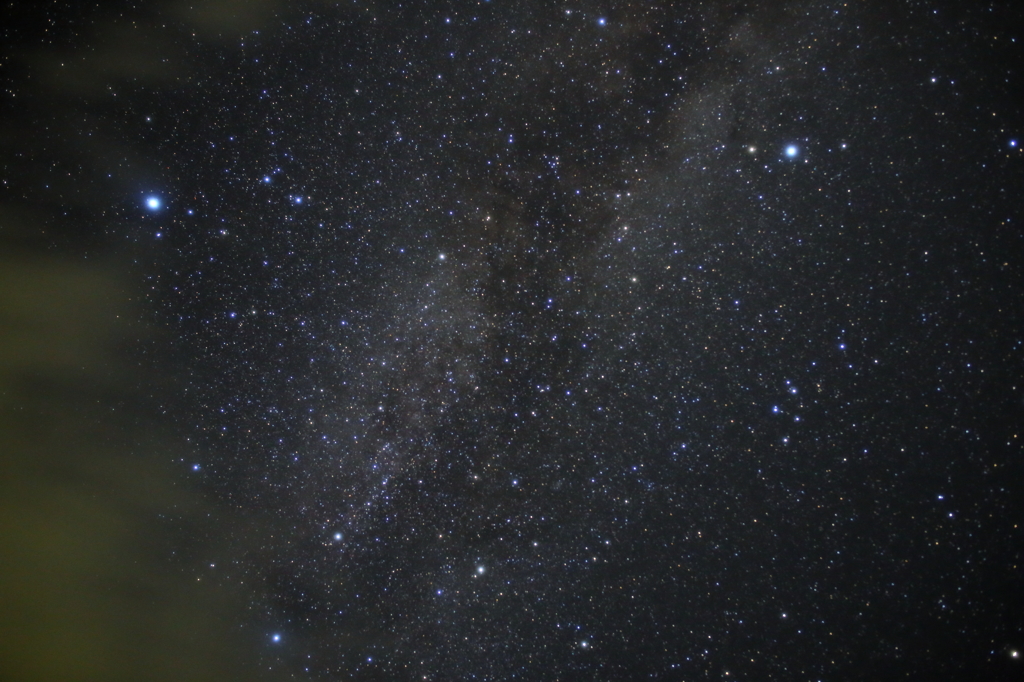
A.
pixel 516 340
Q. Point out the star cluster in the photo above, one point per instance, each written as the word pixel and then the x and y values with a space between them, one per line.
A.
pixel 589 341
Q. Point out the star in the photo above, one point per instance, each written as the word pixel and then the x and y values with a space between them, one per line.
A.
pixel 792 151
pixel 153 203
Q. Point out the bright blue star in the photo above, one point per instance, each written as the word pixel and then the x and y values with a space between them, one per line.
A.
pixel 153 203
pixel 276 637
pixel 602 21
pixel 792 151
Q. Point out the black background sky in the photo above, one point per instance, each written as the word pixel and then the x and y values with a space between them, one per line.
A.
pixel 511 340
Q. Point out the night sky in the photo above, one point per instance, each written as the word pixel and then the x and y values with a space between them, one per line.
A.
pixel 507 340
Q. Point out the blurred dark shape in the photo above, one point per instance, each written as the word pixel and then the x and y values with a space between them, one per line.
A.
pixel 104 550
pixel 100 548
